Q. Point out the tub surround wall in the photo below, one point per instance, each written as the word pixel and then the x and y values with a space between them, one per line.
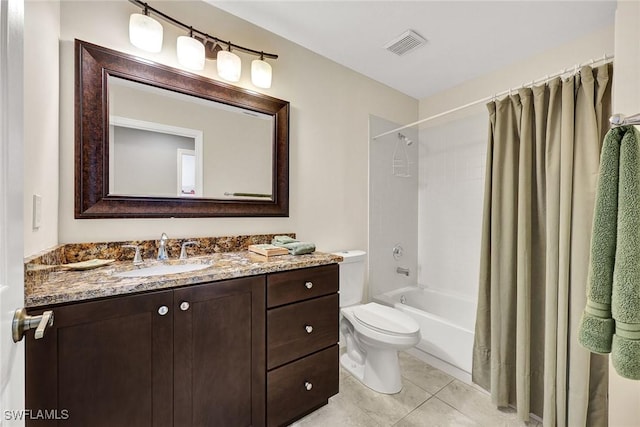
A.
pixel 450 194
pixel 393 210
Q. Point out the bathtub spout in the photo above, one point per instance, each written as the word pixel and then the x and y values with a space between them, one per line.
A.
pixel 401 270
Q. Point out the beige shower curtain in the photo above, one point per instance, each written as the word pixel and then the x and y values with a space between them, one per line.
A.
pixel 542 165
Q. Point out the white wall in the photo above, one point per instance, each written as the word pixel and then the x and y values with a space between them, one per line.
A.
pixel 146 162
pixel 592 46
pixel 624 394
pixel 393 209
pixel 41 31
pixel 237 147
pixel 452 167
pixel 330 107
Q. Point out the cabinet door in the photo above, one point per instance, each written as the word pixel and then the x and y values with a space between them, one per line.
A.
pixel 104 363
pixel 219 369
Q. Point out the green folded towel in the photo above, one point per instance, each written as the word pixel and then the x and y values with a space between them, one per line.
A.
pixel 294 246
pixel 283 239
pixel 614 270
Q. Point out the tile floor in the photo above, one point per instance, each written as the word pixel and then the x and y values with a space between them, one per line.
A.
pixel 429 398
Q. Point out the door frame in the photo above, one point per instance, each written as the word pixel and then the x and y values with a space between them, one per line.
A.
pixel 12 373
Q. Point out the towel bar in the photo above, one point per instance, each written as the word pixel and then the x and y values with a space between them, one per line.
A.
pixel 620 120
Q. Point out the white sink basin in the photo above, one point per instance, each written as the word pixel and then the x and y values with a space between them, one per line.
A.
pixel 162 270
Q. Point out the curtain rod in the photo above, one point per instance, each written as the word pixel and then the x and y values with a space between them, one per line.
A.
pixel 605 59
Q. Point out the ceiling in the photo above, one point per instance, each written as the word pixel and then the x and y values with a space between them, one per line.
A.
pixel 465 39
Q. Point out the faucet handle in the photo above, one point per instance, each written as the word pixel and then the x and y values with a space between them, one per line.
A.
pixel 183 251
pixel 137 258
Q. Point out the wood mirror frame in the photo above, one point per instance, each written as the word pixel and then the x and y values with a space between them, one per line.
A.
pixel 92 199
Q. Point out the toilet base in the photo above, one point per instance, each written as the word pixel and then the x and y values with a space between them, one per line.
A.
pixel 380 370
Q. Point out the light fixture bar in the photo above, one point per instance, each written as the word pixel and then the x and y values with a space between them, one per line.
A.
pixel 186 27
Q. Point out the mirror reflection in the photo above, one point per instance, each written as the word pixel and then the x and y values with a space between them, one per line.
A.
pixel 168 144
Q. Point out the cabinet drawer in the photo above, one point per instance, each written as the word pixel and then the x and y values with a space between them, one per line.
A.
pixel 299 329
pixel 288 394
pixel 298 285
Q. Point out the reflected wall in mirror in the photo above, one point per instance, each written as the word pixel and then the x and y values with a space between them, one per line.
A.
pixel 233 147
pixel 153 141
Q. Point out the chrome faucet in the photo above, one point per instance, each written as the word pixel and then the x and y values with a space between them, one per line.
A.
pixel 183 251
pixel 162 250
pixel 401 270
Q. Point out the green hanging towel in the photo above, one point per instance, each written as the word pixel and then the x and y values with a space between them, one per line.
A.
pixel 611 319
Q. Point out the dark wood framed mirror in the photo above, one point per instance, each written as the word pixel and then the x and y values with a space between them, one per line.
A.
pixel 245 175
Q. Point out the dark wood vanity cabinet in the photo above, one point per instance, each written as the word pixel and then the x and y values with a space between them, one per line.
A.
pixel 302 341
pixel 254 351
pixel 193 356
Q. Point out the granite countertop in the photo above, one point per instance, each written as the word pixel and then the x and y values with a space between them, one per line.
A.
pixel 48 285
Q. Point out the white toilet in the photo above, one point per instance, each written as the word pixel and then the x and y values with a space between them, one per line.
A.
pixel 373 333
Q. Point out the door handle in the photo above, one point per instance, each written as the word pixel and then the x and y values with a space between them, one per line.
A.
pixel 22 322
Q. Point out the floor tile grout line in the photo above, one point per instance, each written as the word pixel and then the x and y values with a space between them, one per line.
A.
pixel 428 391
pixel 456 409
pixel 444 386
pixel 431 396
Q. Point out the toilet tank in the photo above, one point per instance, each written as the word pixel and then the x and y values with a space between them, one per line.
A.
pixel 351 277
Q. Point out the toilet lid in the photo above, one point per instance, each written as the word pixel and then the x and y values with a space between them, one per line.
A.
pixel 386 319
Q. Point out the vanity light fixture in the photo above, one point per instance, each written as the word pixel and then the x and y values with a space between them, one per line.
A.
pixel 190 52
pixel 145 32
pixel 229 65
pixel 261 73
pixel 198 45
pixel 211 48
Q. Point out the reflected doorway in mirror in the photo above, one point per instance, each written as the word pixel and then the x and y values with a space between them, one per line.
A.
pixel 144 158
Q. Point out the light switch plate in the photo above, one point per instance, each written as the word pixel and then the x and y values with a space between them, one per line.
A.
pixel 37 211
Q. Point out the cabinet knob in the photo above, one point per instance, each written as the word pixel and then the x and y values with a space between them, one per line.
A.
pixel 308 285
pixel 184 306
pixel 163 310
pixel 308 328
pixel 308 386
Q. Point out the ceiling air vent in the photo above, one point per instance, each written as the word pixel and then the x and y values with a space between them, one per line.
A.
pixel 405 42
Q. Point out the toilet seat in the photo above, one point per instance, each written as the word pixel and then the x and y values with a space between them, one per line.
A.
pixel 385 319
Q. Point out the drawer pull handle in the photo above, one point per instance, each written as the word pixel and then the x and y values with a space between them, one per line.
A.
pixel 184 306
pixel 308 328
pixel 308 285
pixel 308 386
pixel 163 310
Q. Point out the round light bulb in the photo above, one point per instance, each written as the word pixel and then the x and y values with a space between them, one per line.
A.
pixel 145 32
pixel 229 66
pixel 190 53
pixel 261 73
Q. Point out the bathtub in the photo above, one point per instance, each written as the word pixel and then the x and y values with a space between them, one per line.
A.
pixel 446 325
